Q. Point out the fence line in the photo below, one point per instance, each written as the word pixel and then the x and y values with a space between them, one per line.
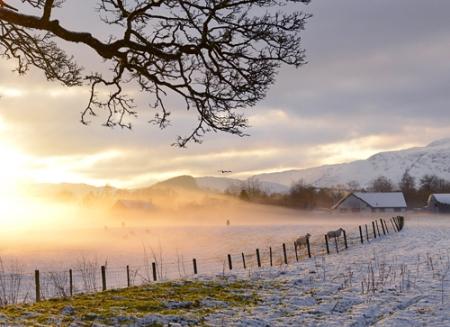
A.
pixel 16 287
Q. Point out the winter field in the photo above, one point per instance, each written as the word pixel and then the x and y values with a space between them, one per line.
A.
pixel 401 280
pixel 398 280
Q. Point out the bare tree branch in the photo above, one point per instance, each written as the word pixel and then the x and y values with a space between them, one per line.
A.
pixel 220 56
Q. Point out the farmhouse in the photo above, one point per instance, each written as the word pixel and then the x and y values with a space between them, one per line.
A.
pixel 372 202
pixel 439 203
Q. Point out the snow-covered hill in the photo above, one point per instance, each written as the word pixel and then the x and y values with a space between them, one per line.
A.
pixel 431 159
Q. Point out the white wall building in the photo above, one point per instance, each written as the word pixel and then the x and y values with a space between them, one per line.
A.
pixel 439 203
pixel 372 202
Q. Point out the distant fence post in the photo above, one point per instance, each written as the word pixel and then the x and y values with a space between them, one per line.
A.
pixel 270 255
pixel 382 226
pixel 345 239
pixel 326 243
pixel 243 261
pixel 70 282
pixel 128 276
pixel 258 258
pixel 285 254
pixel 394 225
pixel 374 231
pixel 37 282
pixel 230 264
pixel 155 275
pixel 336 244
pixel 308 246
pixel 367 233
pixel 361 235
pixel 378 230
pixel 386 226
pixel 103 269
pixel 296 253
pixel 194 263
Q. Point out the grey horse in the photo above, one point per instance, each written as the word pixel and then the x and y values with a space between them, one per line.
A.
pixel 302 240
pixel 335 233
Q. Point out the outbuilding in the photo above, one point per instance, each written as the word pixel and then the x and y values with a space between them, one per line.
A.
pixel 372 202
pixel 439 203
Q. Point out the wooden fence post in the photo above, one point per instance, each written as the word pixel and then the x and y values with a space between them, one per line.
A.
pixel 243 261
pixel 258 258
pixel 361 235
pixel 194 263
pixel 128 276
pixel 155 275
pixel 374 231
pixel 270 255
pixel 386 226
pixel 326 243
pixel 103 269
pixel 336 244
pixel 345 239
pixel 37 282
pixel 70 282
pixel 285 254
pixel 382 227
pixel 378 230
pixel 308 246
pixel 367 233
pixel 230 264
pixel 393 225
pixel 296 253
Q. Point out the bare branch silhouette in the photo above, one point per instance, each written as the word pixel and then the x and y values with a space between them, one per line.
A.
pixel 219 56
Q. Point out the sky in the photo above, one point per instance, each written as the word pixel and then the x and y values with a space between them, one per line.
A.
pixel 377 79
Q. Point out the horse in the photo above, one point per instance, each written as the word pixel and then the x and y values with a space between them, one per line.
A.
pixel 302 240
pixel 335 233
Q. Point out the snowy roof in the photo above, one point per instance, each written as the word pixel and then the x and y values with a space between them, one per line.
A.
pixel 382 199
pixel 442 198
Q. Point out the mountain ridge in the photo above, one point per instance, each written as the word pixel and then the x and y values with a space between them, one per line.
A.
pixel 433 158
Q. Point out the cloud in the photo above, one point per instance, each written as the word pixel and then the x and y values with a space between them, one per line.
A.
pixel 377 79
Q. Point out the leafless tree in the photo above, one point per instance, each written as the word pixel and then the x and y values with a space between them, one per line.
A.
pixel 219 56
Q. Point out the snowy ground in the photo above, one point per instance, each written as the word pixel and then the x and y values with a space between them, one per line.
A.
pixel 400 280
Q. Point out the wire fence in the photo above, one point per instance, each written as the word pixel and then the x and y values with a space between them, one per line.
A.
pixel 88 276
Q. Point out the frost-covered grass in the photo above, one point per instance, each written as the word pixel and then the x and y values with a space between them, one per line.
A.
pixel 400 280
pixel 186 302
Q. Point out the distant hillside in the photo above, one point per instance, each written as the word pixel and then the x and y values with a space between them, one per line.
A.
pixel 431 159
pixel 221 184
pixel 186 182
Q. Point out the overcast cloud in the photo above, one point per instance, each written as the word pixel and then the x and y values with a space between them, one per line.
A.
pixel 378 78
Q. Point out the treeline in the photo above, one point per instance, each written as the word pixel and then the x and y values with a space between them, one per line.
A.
pixel 308 197
pixel 300 195
pixel 416 191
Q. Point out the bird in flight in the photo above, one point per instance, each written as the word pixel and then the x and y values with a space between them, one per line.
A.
pixel 3 4
pixel 225 171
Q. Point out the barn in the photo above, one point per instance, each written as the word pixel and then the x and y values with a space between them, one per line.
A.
pixel 372 202
pixel 439 203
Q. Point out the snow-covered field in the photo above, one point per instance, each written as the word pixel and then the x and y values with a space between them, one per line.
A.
pixel 400 280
